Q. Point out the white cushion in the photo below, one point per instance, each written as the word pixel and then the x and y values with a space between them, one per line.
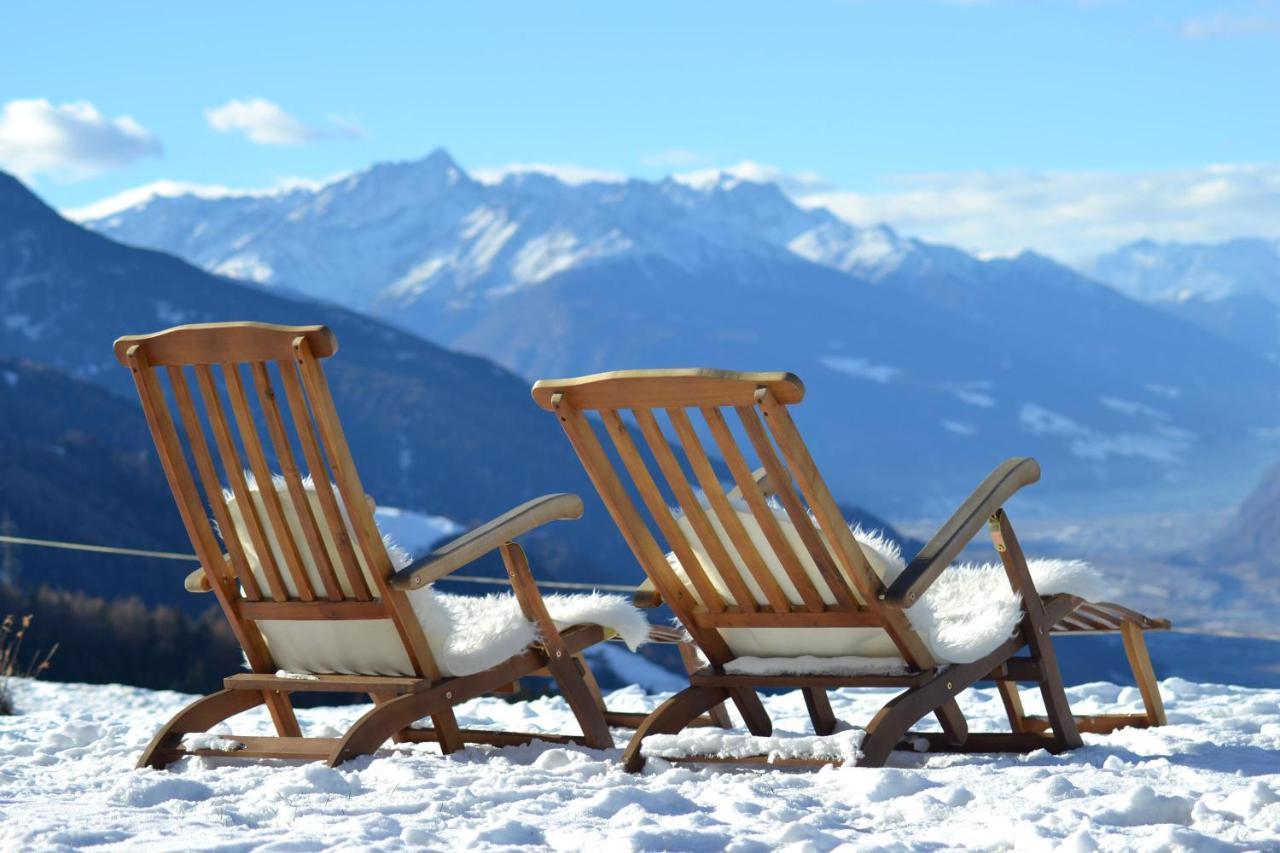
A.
pixel 467 634
pixel 965 615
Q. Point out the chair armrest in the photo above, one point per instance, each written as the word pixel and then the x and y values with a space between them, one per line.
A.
pixel 485 538
pixel 646 595
pixel 960 529
pixel 197 581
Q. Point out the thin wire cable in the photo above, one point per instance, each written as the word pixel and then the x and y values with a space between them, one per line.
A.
pixel 476 579
pixel 191 558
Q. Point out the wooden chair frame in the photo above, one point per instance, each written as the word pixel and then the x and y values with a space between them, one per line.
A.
pixel 790 476
pixel 218 354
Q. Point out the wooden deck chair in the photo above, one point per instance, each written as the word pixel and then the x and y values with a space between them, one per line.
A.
pixel 306 582
pixel 776 582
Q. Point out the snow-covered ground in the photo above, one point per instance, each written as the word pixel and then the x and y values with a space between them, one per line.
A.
pixel 1208 781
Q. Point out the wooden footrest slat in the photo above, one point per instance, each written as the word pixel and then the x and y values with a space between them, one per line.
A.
pixel 305 748
pixel 1098 724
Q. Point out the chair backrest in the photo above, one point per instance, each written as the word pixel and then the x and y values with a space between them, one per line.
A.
pixel 788 569
pixel 297 550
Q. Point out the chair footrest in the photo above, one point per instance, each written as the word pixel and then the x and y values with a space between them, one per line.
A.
pixel 1104 617
pixel 304 748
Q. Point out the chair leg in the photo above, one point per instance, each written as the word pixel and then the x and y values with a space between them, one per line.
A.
pixel 1135 648
pixel 200 716
pixel 670 717
pixel 280 707
pixel 383 721
pixel 1013 705
pixel 824 719
pixel 719 714
pixel 587 705
pixel 752 710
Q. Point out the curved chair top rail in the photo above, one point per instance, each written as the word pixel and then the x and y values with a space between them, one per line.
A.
pixel 217 343
pixel 674 388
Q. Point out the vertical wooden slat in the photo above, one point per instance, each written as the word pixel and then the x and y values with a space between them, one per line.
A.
pixel 660 512
pixel 633 530
pixel 781 482
pixel 728 516
pixel 252 444
pixel 764 516
pixel 850 555
pixel 231 466
pixel 293 480
pixel 320 481
pixel 191 508
pixel 361 514
pixel 212 485
pixel 674 475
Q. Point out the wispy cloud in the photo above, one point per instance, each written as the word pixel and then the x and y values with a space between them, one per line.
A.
pixel 570 173
pixel 1260 18
pixel 1072 215
pixel 266 123
pixel 69 141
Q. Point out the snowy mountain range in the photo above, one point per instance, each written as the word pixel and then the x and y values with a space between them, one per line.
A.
pixel 925 365
pixel 1231 288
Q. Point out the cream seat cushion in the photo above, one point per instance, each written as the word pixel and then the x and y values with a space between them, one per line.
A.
pixel 466 634
pixel 966 614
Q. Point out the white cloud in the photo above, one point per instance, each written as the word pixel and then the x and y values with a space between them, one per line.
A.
pixel 860 368
pixel 568 172
pixel 1071 215
pixel 69 141
pixel 266 123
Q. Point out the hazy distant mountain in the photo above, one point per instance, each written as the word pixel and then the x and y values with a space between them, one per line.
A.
pixel 1231 288
pixel 925 365
pixel 431 430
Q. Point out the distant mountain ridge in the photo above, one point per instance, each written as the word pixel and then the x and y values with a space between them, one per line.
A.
pixel 1231 288
pixel 925 365
pixel 431 430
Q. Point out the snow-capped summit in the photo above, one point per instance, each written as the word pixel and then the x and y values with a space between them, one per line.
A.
pixel 926 365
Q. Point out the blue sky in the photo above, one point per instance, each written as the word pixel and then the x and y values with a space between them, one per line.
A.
pixel 931 115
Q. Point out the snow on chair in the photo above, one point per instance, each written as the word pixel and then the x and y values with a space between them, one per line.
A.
pixel 313 594
pixel 778 592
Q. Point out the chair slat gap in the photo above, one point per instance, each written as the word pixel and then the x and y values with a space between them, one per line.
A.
pixel 675 477
pixel 760 509
pixel 850 555
pixel 293 481
pixel 781 480
pixel 192 511
pixel 252 443
pixel 212 486
pixel 353 495
pixel 320 481
pixel 738 537
pixel 660 511
pixel 232 467
pixel 820 499
pixel 618 502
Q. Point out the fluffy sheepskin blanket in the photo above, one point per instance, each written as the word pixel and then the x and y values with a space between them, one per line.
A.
pixel 966 613
pixel 469 634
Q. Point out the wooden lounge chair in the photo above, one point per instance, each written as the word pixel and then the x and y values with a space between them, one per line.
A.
pixel 747 578
pixel 306 574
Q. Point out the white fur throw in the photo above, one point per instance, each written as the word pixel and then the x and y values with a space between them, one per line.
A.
pixel 467 634
pixel 966 613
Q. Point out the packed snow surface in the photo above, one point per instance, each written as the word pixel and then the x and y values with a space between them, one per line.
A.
pixel 1210 780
